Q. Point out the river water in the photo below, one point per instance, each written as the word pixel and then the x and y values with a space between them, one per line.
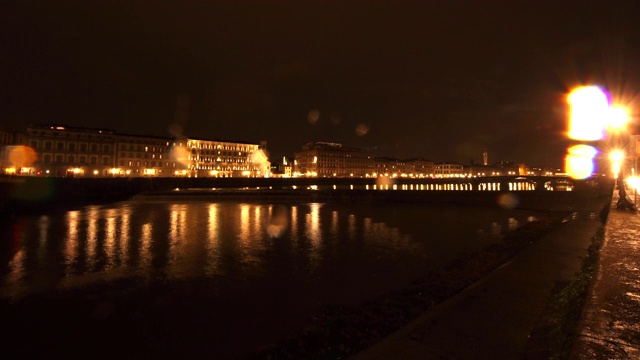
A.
pixel 262 268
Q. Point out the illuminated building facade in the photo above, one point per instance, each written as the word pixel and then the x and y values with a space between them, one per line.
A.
pixel 222 159
pixel 420 167
pixel 404 168
pixel 7 139
pixel 325 159
pixel 69 151
pixel 448 170
pixel 64 151
pixel 144 156
pixel 390 167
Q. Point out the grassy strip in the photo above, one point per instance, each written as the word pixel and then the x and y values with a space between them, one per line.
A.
pixel 567 305
pixel 339 331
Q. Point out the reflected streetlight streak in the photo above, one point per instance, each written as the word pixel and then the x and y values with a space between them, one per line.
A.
pixel 92 236
pixel 125 228
pixel 110 239
pixel 244 225
pixel 71 244
pixel 352 226
pixel 314 233
pixel 334 223
pixel 146 236
pixel 294 224
pixel 177 236
pixel 257 226
pixel 212 241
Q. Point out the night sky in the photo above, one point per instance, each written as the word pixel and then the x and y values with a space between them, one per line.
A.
pixel 441 80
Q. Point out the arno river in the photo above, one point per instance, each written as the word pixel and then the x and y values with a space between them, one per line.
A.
pixel 263 268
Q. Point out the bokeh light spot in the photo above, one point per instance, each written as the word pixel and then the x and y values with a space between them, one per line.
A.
pixel 579 161
pixel 22 156
pixel 362 130
pixel 508 201
pixel 313 116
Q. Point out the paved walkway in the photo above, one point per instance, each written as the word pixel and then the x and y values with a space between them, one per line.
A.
pixel 494 318
pixel 610 326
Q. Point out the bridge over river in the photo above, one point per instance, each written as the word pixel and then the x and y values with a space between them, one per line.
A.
pixel 43 193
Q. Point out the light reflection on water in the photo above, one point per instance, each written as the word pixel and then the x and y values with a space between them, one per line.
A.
pixel 376 248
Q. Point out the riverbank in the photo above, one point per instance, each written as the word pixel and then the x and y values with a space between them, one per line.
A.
pixel 505 315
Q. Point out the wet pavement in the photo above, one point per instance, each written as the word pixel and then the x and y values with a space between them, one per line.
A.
pixel 610 327
pixel 496 317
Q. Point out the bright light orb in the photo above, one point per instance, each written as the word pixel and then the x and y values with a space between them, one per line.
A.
pixel 579 161
pixel 616 161
pixel 617 118
pixel 588 114
pixel 634 182
pixel 21 156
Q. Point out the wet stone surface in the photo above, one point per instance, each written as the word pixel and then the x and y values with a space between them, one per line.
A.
pixel 611 321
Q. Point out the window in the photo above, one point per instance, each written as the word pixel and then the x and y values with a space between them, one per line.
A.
pixel 82 159
pixel 60 146
pixel 94 148
pixel 93 160
pixel 47 159
pixel 72 147
pixel 105 160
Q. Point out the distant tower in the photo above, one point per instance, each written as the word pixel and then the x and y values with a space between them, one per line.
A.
pixel 485 157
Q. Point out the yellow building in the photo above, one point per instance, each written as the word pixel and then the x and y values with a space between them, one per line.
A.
pixel 414 168
pixel 222 158
pixel 69 151
pixel 65 151
pixel 324 159
pixel 144 156
pixel 444 170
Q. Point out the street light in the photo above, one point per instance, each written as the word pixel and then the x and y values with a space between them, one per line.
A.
pixel 634 182
pixel 616 157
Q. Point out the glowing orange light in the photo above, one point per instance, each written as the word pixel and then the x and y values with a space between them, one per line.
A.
pixel 616 157
pixel 22 156
pixel 617 118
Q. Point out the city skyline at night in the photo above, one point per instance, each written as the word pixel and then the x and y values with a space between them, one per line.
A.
pixel 397 79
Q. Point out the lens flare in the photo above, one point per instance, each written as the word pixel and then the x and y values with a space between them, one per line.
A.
pixel 180 155
pixel 313 116
pixel 589 113
pixel 278 222
pixel 508 201
pixel 22 156
pixel 362 130
pixel 261 162
pixel 579 161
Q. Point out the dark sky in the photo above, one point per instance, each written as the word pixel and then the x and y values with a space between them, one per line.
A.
pixel 436 79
